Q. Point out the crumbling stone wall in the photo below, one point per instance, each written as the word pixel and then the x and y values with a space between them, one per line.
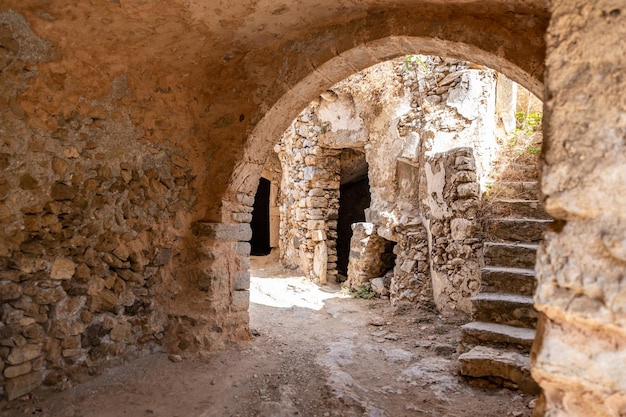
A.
pixel 404 119
pixel 95 222
pixel 369 255
pixel 206 97
pixel 581 341
pixel 411 279
pixel 309 199
pixel 451 204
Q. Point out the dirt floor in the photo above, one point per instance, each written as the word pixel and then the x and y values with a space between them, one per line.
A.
pixel 317 352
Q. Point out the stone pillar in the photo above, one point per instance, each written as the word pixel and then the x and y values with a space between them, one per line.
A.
pixel 215 284
pixel 580 351
pixel 411 279
pixel 506 102
pixel 450 205
pixel 309 203
pixel 274 215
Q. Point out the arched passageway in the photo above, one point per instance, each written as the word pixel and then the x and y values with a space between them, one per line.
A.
pixel 134 135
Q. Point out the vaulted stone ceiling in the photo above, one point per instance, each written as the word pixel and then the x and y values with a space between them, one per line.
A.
pixel 201 74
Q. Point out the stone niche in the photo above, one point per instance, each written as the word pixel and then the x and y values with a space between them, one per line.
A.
pixel 429 138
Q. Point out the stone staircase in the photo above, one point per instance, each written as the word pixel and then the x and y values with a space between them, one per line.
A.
pixel 498 341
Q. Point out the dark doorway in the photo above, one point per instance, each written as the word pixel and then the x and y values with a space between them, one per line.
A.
pixel 354 198
pixel 260 224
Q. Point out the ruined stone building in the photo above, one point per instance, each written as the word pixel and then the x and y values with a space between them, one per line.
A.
pixel 380 183
pixel 134 134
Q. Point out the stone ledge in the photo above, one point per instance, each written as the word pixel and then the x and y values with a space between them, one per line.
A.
pixel 219 231
pixel 485 362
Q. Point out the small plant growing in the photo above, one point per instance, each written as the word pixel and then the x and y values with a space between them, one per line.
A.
pixel 534 149
pixel 365 292
pixel 414 59
pixel 528 122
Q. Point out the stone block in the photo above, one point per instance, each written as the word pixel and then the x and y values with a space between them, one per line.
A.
pixel 82 272
pixel 219 231
pixel 320 262
pixel 46 296
pixel 71 353
pixel 318 235
pixel 378 286
pixel 241 300
pixel 316 202
pixel 62 268
pixel 242 217
pixel 245 199
pixel 120 332
pixel 23 354
pixel 10 291
pixel 408 265
pixel 461 229
pixel 22 385
pixel 468 190
pixel 18 370
pixel 243 248
pixel 31 265
pixel 122 252
pixel 317 192
pixel 315 224
pixel 60 192
pixel 163 257
pixel 242 281
pixel 484 361
pixel 463 177
pixel 179 161
pixel 103 300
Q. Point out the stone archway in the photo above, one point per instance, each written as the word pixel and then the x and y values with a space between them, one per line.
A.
pixel 282 79
pixel 341 65
pixel 241 186
pixel 193 95
pixel 239 196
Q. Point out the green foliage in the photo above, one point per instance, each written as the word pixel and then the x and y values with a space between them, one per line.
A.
pixel 414 59
pixel 365 292
pixel 534 149
pixel 528 122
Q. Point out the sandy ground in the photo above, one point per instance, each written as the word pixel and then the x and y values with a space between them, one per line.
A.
pixel 316 353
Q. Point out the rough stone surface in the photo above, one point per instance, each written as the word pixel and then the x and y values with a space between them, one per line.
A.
pixel 21 385
pixel 309 201
pixel 418 121
pixel 487 362
pixel 191 108
pixel 579 267
pixel 367 256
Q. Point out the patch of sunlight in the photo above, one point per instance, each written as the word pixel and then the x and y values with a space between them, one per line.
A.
pixel 291 291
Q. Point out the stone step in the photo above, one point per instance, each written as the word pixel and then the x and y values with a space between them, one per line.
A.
pixel 524 190
pixel 510 309
pixel 516 209
pixel 501 279
pixel 498 335
pixel 522 171
pixel 516 230
pixel 503 367
pixel 515 255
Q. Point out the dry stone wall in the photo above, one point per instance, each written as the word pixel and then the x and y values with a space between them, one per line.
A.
pixel 452 205
pixel 94 222
pixel 411 279
pixel 409 120
pixel 310 199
